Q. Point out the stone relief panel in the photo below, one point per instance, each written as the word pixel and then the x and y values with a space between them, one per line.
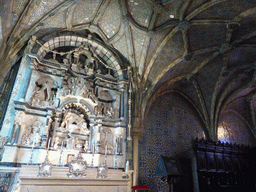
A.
pixel 45 92
pixel 27 130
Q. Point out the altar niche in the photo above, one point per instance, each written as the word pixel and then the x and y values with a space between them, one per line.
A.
pixel 75 101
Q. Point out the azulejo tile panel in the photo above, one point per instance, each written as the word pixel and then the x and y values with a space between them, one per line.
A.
pixel 170 126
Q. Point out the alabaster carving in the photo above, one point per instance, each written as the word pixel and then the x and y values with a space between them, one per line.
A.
pixel 73 122
pixel 44 93
pixel 77 101
pixel 29 130
pixel 31 135
pixel 17 124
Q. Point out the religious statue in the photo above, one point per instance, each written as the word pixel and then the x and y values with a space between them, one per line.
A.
pixel 108 111
pixel 56 142
pixel 16 126
pixel 43 94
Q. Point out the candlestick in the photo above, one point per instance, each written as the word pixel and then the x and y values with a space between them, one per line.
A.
pixel 32 151
pixel 48 146
pixel 61 145
pixel 93 155
pixel 61 151
pixel 127 166
pixel 106 149
pixel 115 153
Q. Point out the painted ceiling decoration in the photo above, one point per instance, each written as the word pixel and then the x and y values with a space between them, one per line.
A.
pixel 169 44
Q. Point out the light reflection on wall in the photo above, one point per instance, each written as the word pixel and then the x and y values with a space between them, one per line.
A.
pixel 233 129
pixel 223 134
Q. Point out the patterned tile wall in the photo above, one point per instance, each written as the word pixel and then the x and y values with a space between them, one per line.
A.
pixel 170 126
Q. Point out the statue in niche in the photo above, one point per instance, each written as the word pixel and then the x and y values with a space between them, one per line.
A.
pixel 24 128
pixel 90 64
pixel 31 134
pixel 43 94
pixel 86 90
pixel 71 84
pixel 68 58
pixel 68 86
pixel 80 86
pixel 106 142
pixel 35 139
pixel 16 126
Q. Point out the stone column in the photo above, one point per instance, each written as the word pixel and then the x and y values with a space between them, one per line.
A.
pixel 97 135
pixel 54 131
pixel 91 135
pixel 122 105
pixel 194 173
pixel 135 138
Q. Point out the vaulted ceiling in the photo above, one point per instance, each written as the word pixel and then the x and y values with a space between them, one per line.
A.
pixel 206 49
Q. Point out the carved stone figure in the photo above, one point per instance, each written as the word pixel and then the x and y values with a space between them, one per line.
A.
pixel 22 118
pixel 73 122
pixel 98 110
pixel 68 86
pixel 43 94
pixel 108 111
pixel 56 142
pixel 30 135
pixel 78 144
pixel 35 139
pixel 80 86
pixel 31 44
pixel 86 145
pixel 16 126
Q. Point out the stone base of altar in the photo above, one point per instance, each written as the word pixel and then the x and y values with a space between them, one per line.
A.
pixel 117 181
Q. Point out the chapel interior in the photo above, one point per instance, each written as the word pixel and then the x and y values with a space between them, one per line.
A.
pixel 106 95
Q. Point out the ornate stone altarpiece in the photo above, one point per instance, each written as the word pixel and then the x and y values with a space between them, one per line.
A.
pixel 68 100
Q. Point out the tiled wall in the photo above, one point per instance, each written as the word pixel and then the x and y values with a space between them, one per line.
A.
pixel 170 126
